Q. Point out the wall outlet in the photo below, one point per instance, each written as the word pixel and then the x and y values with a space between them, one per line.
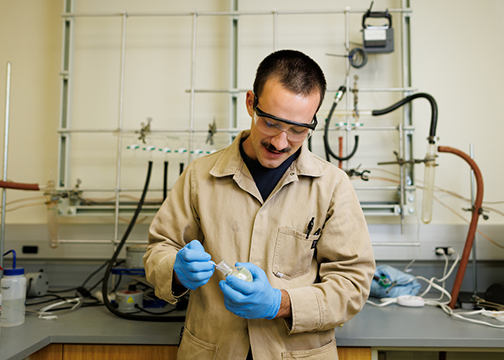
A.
pixel 440 250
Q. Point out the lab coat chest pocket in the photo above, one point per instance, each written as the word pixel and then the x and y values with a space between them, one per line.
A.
pixel 293 253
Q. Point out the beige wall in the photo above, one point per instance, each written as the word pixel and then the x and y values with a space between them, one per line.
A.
pixel 456 57
pixel 30 38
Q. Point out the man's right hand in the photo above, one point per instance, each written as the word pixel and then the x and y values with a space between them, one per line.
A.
pixel 192 265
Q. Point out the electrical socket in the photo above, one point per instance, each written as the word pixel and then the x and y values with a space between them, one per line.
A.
pixel 440 250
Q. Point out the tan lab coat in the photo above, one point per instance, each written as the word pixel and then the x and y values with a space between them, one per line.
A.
pixel 217 202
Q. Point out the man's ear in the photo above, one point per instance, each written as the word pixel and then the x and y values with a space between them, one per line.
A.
pixel 249 102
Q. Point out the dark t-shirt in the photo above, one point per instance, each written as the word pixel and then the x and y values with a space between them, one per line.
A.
pixel 265 178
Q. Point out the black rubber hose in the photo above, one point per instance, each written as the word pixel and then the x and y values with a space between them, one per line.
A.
pixel 114 258
pixel 339 94
pixel 344 158
pixel 165 180
pixel 434 111
pixel 327 147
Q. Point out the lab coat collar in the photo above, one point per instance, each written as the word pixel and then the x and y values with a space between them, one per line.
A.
pixel 230 161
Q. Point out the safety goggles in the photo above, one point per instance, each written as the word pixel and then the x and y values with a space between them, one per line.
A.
pixel 271 125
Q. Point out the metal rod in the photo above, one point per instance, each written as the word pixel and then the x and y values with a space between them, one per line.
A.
pixel 6 152
pixel 119 126
pixel 100 242
pixel 226 13
pixel 108 189
pixel 399 89
pixel 275 30
pixel 125 190
pixel 395 244
pixel 216 91
pixel 186 131
pixel 401 174
pixel 126 131
pixel 473 194
pixel 406 83
pixel 351 113
pixel 347 72
pixel 234 90
pixel 234 61
pixel 193 81
pixel 405 49
pixel 394 188
pixel 66 86
pixel 374 128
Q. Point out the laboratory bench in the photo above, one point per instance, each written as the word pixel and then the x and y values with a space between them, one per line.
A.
pixel 98 333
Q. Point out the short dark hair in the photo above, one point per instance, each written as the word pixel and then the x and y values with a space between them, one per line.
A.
pixel 296 71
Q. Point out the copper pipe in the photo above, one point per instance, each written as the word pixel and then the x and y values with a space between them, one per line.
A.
pixel 340 163
pixel 19 186
pixel 472 226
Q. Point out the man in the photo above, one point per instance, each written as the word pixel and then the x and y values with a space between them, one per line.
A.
pixel 283 213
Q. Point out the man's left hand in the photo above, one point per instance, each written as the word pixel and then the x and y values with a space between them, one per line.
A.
pixel 251 300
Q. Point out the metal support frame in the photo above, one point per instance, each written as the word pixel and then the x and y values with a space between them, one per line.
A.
pixel 234 61
pixel 6 153
pixel 474 253
pixel 66 87
pixel 405 130
pixel 65 131
pixel 407 171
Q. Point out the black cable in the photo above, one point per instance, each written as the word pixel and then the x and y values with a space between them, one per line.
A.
pixel 81 289
pixel 358 57
pixel 154 313
pixel 28 287
pixel 106 300
pixel 117 284
pixel 61 291
pixel 165 180
pixel 94 273
pixel 95 285
pixel 99 281
pixel 434 111
pixel 97 303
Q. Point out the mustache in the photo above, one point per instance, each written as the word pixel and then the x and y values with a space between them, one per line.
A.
pixel 271 148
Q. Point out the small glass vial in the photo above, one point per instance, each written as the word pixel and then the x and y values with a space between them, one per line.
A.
pixel 239 271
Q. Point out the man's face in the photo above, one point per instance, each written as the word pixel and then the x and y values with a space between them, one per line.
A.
pixel 272 151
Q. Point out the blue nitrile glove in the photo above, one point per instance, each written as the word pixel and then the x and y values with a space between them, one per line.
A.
pixel 389 282
pixel 192 265
pixel 251 300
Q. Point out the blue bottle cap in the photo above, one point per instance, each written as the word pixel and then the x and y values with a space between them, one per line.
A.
pixel 14 271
